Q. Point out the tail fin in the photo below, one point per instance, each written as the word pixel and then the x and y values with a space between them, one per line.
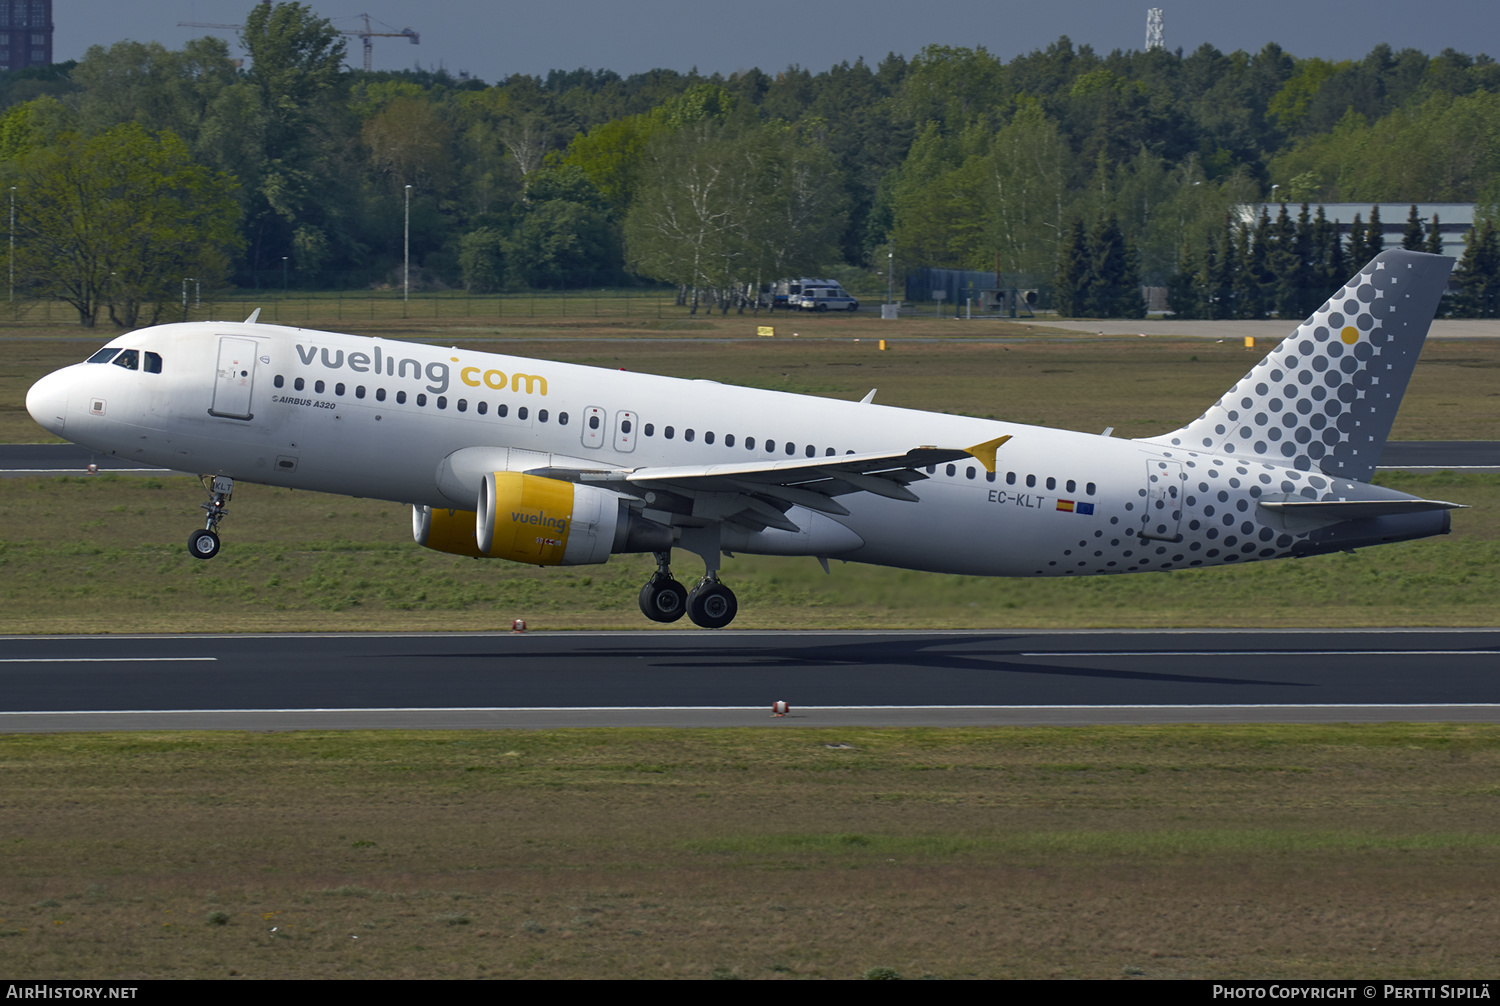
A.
pixel 1326 397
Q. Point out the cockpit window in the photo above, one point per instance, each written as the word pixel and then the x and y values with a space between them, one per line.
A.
pixel 104 355
pixel 153 363
pixel 130 359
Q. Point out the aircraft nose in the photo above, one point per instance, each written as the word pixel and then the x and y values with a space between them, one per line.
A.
pixel 47 401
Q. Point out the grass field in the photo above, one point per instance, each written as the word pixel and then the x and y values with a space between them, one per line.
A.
pixel 106 554
pixel 1171 852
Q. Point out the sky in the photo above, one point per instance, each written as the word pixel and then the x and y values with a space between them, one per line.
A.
pixel 491 40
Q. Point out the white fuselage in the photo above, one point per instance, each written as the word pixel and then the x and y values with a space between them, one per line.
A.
pixel 376 418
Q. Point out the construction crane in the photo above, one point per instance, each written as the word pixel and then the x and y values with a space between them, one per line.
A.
pixel 363 34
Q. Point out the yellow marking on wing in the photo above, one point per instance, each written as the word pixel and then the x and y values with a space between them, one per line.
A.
pixel 985 453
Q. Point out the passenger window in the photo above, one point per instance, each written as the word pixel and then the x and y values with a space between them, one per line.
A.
pixel 625 426
pixel 400 398
pixel 1031 482
pixel 593 422
pixel 791 449
pixel 952 470
pixel 279 381
pixel 421 399
pixel 989 476
pixel 1089 488
pixel 1010 478
pixel 379 394
pixel 562 419
pixel 338 389
pixel 770 447
pixel 482 408
pixel 812 451
pixel 708 437
pixel 969 473
pixel 667 432
pixel 521 413
pixel 501 410
pixel 318 388
pixel 153 363
pixel 442 401
pixel 688 435
pixel 463 405
pixel 298 384
pixel 1051 482
pixel 1072 486
pixel 829 453
pixel 729 440
pixel 649 430
pixel 359 391
pixel 541 415
pixel 749 443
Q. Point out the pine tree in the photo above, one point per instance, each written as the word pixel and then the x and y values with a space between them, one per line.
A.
pixel 1375 237
pixel 1072 271
pixel 1478 278
pixel 1248 302
pixel 1434 245
pixel 1285 268
pixel 1110 283
pixel 1359 252
pixel 1411 238
pixel 1182 288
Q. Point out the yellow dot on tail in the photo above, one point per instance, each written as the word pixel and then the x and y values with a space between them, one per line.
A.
pixel 1350 335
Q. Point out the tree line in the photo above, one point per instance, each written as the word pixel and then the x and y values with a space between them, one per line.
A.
pixel 1090 172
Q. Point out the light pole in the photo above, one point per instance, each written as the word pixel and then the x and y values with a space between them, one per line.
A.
pixel 283 276
pixel 890 270
pixel 406 251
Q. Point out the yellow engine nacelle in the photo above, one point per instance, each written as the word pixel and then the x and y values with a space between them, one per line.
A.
pixel 541 521
pixel 445 530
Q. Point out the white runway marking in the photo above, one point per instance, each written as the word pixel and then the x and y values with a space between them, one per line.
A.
pixel 99 660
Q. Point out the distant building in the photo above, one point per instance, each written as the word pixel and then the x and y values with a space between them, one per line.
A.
pixel 25 34
pixel 1454 219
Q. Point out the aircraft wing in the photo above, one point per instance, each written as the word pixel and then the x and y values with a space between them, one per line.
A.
pixel 758 494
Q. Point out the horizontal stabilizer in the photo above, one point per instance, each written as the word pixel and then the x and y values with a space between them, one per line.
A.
pixel 1337 510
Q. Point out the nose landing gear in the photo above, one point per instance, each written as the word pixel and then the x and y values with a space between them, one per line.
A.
pixel 204 543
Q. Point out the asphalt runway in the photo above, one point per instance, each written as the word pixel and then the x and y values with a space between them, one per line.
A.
pixel 18 460
pixel 696 678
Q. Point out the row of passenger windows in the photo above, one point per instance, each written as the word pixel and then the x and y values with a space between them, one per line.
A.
pixel 689 435
pixel 1030 481
pixel 130 359
pixel 768 446
pixel 441 401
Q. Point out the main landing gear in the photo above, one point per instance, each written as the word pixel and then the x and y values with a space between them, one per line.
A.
pixel 204 543
pixel 710 604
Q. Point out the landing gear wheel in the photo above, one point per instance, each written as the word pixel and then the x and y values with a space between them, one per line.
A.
pixel 712 605
pixel 203 544
pixel 663 599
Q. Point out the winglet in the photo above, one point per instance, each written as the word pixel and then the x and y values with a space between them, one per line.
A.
pixel 869 398
pixel 985 453
pixel 254 315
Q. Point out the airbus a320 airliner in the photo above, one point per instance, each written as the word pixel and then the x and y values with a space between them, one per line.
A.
pixel 560 465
